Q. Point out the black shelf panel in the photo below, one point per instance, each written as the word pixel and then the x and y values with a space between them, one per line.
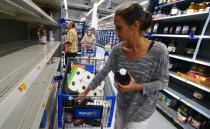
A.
pixel 203 107
pixel 173 115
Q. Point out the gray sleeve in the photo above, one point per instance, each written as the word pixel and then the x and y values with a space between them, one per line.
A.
pixel 100 76
pixel 161 77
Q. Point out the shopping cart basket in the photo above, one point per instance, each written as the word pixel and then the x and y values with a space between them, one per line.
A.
pixel 89 52
pixel 94 111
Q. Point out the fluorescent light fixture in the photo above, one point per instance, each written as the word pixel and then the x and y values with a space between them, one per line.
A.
pixel 89 12
pixel 65 4
pixel 106 24
pixel 100 2
pixel 143 3
pixel 106 17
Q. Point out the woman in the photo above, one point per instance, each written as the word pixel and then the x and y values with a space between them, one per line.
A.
pixel 89 41
pixel 146 61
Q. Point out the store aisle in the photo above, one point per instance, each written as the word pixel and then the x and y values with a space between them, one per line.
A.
pixel 159 122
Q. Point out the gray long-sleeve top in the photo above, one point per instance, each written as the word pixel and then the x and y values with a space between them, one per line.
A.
pixel 151 71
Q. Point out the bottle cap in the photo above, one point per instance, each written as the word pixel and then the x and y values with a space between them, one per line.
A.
pixel 122 71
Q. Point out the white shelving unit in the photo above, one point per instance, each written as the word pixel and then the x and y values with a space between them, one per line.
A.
pixel 181 57
pixel 16 80
pixel 30 109
pixel 173 36
pixel 25 10
pixel 198 15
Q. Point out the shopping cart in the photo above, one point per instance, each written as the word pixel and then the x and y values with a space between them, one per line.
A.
pixel 94 111
pixel 89 50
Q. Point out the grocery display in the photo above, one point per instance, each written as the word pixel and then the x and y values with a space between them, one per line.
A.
pixel 183 27
pixel 39 90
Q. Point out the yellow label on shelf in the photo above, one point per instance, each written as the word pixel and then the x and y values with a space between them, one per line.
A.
pixel 23 85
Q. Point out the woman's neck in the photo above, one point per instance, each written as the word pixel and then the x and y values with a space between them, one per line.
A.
pixel 135 43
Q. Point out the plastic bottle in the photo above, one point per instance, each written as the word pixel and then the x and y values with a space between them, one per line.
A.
pixel 122 77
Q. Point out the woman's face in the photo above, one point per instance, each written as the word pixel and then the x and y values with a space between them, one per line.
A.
pixel 124 31
pixel 89 33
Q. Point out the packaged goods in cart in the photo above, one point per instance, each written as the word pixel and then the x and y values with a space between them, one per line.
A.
pixel 78 79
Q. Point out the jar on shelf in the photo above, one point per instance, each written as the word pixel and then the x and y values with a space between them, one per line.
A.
pixel 172 47
pixel 169 1
pixel 193 30
pixel 160 2
pixel 178 30
pixel 155 28
pixel 202 7
pixel 174 10
pixel 191 9
pixel 185 30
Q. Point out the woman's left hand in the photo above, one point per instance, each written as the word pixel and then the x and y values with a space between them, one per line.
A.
pixel 132 86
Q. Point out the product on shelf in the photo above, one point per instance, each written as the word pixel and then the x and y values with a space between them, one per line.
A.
pixel 155 28
pixel 189 51
pixel 174 10
pixel 202 7
pixel 196 121
pixel 160 2
pixel 192 8
pixel 171 47
pixel 169 1
pixel 122 77
pixel 183 113
pixel 185 30
pixel 165 30
pixel 178 30
pixel 171 30
pixel 193 29
pixel 199 95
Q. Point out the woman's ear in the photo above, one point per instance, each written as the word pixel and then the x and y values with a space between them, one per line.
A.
pixel 136 25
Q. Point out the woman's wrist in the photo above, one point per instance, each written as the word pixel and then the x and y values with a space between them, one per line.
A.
pixel 138 87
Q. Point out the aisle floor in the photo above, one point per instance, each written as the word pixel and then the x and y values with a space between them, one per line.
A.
pixel 159 122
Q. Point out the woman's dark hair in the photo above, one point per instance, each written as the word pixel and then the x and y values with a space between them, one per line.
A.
pixel 132 11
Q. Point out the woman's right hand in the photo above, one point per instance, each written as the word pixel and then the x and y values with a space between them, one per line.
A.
pixel 83 95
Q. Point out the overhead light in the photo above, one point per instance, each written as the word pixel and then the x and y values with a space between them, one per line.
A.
pixel 143 3
pixel 106 17
pixel 65 4
pixel 100 2
pixel 89 12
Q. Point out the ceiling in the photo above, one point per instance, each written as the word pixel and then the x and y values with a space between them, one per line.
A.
pixel 78 9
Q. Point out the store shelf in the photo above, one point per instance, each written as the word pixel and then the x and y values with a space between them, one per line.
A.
pixel 17 77
pixel 206 37
pixel 203 62
pixel 173 36
pixel 172 74
pixel 25 10
pixel 187 98
pixel 181 57
pixel 170 4
pixel 173 115
pixel 185 17
pixel 174 93
pixel 29 111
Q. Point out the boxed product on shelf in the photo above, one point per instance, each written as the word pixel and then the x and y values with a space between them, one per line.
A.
pixel 195 78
